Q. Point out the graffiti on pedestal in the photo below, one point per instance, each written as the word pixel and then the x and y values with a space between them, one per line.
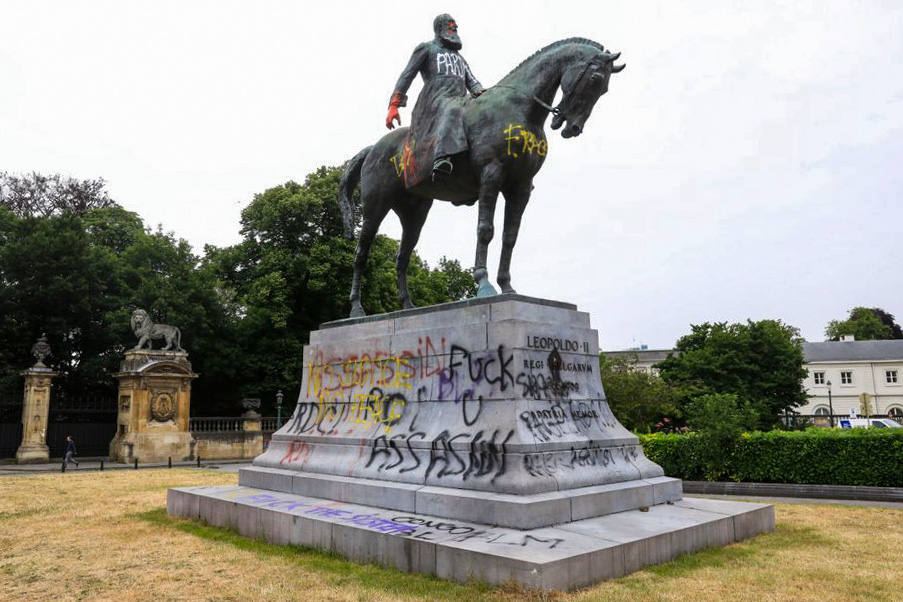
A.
pixel 380 395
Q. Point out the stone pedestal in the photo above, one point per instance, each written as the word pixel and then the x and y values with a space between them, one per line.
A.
pixel 154 406
pixel 471 400
pixel 459 428
pixel 35 410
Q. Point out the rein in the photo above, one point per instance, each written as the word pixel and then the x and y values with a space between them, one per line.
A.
pixel 553 110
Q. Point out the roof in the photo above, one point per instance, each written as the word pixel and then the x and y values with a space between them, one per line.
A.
pixel 641 355
pixel 853 351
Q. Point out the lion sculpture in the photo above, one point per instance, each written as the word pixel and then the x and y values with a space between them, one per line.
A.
pixel 147 332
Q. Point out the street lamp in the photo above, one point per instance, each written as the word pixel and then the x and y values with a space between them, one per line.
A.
pixel 279 409
pixel 830 404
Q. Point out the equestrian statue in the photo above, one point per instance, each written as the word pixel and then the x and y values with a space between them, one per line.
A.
pixel 467 148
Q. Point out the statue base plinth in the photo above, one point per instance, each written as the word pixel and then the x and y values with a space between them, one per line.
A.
pixel 153 447
pixel 154 407
pixel 35 413
pixel 425 439
pixel 33 453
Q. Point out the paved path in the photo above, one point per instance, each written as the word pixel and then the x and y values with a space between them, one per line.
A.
pixel 94 464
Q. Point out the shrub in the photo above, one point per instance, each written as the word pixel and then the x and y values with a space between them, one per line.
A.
pixel 815 456
pixel 718 420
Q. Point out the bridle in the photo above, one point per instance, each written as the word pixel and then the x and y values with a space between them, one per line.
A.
pixel 558 111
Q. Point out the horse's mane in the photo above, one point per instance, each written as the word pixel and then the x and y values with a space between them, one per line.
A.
pixel 553 46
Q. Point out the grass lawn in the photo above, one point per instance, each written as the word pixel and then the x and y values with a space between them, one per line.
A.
pixel 106 536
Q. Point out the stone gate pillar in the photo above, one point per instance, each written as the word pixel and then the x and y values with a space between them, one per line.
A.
pixel 36 407
pixel 154 405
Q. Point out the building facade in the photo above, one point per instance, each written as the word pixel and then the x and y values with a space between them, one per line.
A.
pixel 839 373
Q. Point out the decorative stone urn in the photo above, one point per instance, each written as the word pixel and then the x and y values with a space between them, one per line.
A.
pixel 36 408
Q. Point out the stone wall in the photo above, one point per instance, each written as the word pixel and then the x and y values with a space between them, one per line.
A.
pixel 228 438
pixel 228 446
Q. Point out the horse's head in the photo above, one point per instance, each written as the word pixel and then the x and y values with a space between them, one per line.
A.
pixel 582 84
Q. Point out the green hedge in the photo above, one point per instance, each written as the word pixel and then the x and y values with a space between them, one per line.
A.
pixel 823 456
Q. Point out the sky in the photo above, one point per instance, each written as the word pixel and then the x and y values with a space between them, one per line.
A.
pixel 745 165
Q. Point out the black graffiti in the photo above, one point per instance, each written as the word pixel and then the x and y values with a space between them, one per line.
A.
pixel 461 533
pixel 559 420
pixel 483 456
pixel 547 424
pixel 526 539
pixel 326 417
pixel 509 539
pixel 539 386
pixel 583 415
pixel 549 464
pixel 450 528
pixel 480 366
pixel 487 456
pixel 442 454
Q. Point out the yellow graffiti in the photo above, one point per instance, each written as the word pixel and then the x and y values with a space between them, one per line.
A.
pixel 403 159
pixel 370 410
pixel 525 142
pixel 364 371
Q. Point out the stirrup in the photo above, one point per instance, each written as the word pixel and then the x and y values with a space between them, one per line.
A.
pixel 442 168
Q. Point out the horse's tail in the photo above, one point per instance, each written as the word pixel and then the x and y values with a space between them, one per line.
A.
pixel 347 184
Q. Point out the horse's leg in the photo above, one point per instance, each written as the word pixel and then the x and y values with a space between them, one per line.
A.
pixel 489 193
pixel 375 210
pixel 516 201
pixel 412 212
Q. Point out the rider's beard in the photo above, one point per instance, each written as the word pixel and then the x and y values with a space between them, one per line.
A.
pixel 451 40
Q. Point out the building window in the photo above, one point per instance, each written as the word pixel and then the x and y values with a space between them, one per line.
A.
pixel 819 378
pixel 822 411
pixel 891 376
pixel 895 413
pixel 846 378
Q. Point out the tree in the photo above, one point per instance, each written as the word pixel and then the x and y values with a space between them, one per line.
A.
pixel 38 195
pixel 53 280
pixel 78 279
pixel 638 399
pixel 866 324
pixel 759 362
pixel 292 272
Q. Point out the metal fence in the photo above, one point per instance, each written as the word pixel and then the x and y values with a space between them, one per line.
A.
pixel 89 419
pixel 216 424
pixel 10 438
pixel 225 424
pixel 91 422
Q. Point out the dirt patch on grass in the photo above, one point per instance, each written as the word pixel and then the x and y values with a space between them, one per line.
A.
pixel 106 536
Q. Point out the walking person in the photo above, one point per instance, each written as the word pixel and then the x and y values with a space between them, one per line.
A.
pixel 70 451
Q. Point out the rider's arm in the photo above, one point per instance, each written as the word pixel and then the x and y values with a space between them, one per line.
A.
pixel 399 96
pixel 473 85
pixel 420 55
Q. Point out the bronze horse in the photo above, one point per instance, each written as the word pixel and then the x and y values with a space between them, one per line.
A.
pixel 504 129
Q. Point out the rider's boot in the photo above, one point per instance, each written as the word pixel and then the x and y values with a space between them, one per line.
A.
pixel 442 168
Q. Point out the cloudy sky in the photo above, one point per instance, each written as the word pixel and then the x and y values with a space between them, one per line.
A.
pixel 748 163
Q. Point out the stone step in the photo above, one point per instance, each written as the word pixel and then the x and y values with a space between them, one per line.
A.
pixel 568 556
pixel 530 511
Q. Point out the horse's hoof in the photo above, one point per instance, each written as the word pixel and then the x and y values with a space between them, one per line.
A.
pixel 357 312
pixel 508 290
pixel 486 290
